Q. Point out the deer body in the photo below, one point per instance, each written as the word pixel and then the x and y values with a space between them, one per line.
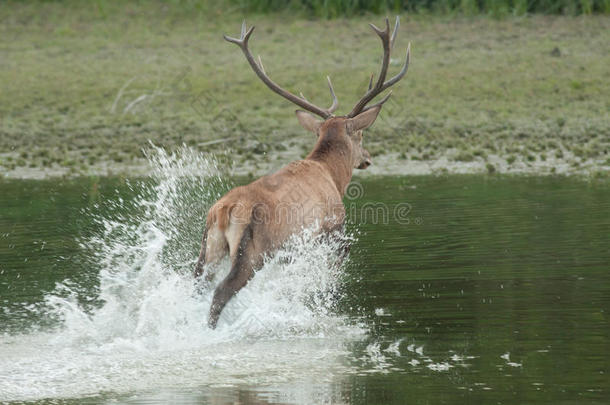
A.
pixel 252 221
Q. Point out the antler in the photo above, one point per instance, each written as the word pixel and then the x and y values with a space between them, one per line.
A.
pixel 381 85
pixel 242 42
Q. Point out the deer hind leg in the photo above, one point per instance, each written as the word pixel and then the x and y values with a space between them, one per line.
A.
pixel 245 260
pixel 214 247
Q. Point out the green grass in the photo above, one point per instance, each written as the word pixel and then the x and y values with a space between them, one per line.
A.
pixel 87 85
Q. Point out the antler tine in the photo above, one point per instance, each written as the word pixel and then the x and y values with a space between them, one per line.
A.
pixel 380 32
pixel 371 81
pixel 381 102
pixel 395 32
pixel 244 37
pixel 258 68
pixel 385 41
pixel 373 91
pixel 402 72
pixel 335 103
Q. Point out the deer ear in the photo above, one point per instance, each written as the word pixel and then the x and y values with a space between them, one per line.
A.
pixel 365 119
pixel 308 121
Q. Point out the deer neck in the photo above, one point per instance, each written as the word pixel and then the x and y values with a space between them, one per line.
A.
pixel 335 153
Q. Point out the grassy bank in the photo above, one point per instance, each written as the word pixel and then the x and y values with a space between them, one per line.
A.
pixel 84 88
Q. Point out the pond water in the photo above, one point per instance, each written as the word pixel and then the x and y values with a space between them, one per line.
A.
pixel 458 289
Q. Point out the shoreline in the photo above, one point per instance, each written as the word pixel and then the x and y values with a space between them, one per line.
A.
pixel 383 165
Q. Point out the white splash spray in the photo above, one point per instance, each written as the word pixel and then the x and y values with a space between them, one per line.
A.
pixel 147 327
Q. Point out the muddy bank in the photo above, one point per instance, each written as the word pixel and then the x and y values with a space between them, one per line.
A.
pixel 388 164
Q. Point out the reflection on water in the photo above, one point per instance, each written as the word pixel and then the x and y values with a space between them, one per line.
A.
pixel 493 289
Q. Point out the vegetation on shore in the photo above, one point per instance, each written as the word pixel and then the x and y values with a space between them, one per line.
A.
pixel 495 8
pixel 85 88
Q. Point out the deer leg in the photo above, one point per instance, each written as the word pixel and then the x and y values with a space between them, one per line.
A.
pixel 237 278
pixel 201 261
pixel 245 261
pixel 214 247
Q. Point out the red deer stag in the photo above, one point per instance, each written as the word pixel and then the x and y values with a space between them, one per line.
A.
pixel 245 223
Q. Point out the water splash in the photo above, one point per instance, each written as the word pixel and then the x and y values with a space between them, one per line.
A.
pixel 148 316
pixel 146 253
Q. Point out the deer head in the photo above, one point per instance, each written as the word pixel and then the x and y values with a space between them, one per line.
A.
pixel 348 129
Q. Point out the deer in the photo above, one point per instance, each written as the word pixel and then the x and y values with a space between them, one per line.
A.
pixel 244 223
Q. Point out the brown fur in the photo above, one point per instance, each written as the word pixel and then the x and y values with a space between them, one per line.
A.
pixel 256 219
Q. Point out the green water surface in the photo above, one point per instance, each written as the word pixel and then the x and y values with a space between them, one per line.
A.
pixel 502 283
